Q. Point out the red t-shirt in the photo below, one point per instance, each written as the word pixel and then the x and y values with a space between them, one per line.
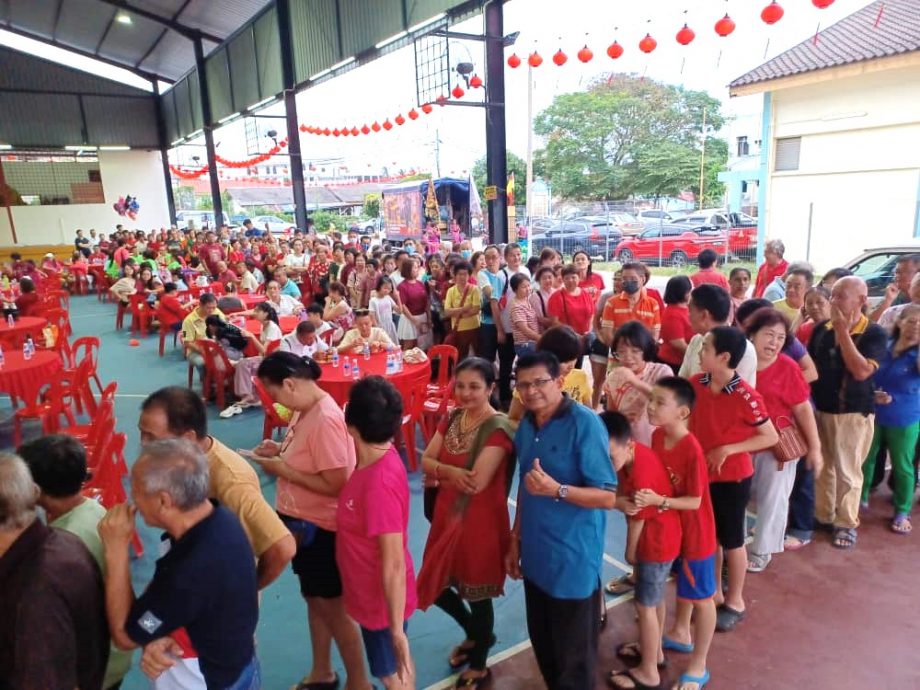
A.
pixel 575 311
pixel 211 254
pixel 766 274
pixel 660 538
pixel 686 468
pixel 171 306
pixel 592 281
pixel 782 385
pixel 710 276
pixel 655 295
pixel 724 417
pixel 675 324
pixel 28 304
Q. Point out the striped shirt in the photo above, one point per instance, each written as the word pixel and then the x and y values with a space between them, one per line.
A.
pixel 618 311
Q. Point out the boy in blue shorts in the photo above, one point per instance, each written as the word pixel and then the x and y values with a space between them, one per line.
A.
pixel 653 543
pixel 669 409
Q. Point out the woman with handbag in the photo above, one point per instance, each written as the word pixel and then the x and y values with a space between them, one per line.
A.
pixel 471 460
pixel 786 394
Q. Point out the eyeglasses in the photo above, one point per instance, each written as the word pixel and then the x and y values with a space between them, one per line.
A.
pixel 532 385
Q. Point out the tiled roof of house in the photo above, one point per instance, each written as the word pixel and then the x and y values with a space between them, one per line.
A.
pixel 880 29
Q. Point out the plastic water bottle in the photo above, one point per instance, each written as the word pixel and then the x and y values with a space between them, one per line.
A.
pixel 335 359
pixel 389 369
pixel 10 321
pixel 355 371
pixel 399 360
pixel 1 358
pixel 367 351
pixel 347 367
pixel 28 348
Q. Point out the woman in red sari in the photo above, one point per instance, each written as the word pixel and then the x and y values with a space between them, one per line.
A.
pixel 470 460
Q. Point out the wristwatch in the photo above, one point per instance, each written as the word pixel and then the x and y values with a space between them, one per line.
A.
pixel 562 492
pixel 665 505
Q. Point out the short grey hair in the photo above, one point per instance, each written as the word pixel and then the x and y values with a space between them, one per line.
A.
pixel 176 466
pixel 775 246
pixel 802 267
pixel 18 493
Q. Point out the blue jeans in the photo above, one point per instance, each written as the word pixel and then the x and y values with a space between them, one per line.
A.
pixel 524 348
pixel 250 678
pixel 801 523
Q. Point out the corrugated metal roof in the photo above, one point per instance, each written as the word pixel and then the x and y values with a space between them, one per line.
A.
pixel 881 29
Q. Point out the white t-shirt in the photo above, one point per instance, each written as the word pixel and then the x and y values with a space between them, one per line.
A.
pixel 285 305
pixel 747 367
pixel 290 343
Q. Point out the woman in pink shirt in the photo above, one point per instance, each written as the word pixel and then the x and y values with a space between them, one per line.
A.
pixel 524 325
pixel 312 465
pixel 373 546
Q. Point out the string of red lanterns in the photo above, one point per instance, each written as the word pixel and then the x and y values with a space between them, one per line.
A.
pixel 724 27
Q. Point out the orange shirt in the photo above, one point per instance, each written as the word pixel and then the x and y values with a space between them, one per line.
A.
pixel 618 311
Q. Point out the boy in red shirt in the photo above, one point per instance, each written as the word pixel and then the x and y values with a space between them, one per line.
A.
pixel 669 408
pixel 653 542
pixel 730 421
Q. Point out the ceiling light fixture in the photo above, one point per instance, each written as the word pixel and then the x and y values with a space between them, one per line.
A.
pixel 114 148
pixel 80 148
pixel 124 18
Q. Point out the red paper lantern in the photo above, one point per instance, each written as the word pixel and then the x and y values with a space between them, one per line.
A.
pixel 514 61
pixel 387 125
pixel 441 100
pixel 336 132
pixel 458 91
pixel 476 81
pixel 400 120
pixel 535 59
pixel 365 130
pixel 822 4
pixel 614 50
pixel 427 108
pixel 345 131
pixel 303 128
pixel 355 131
pixel 327 132
pixel 685 36
pixel 772 13
pixel 413 114
pixel 375 127
pixel 560 58
pixel 283 143
pixel 725 26
pixel 648 44
pixel 585 54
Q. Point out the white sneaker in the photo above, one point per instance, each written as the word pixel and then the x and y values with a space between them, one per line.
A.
pixel 232 410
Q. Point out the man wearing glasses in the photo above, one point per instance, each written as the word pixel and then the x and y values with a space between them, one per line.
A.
pixel 557 544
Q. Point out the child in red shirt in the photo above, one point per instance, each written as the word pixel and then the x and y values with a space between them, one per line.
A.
pixel 653 542
pixel 730 421
pixel 669 408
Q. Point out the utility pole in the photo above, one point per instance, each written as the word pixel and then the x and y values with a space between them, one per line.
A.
pixel 528 183
pixel 703 158
pixel 437 151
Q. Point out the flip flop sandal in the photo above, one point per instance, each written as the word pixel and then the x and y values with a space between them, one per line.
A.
pixel 629 653
pixel 620 585
pixel 795 543
pixel 700 681
pixel 727 618
pixel 319 685
pixel 474 682
pixel 758 562
pixel 636 683
pixel 901 525
pixel 844 538
pixel 675 646
pixel 461 651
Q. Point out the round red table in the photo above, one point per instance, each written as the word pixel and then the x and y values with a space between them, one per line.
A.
pixel 288 324
pixel 23 326
pixel 22 378
pixel 334 382
pixel 249 301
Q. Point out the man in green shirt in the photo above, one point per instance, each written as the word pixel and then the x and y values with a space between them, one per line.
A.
pixel 58 467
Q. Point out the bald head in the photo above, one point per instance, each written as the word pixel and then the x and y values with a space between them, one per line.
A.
pixel 849 296
pixel 853 284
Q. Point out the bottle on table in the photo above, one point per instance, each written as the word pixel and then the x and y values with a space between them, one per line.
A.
pixel 355 371
pixel 10 321
pixel 335 359
pixel 347 367
pixel 28 348
pixel 367 351
pixel 1 357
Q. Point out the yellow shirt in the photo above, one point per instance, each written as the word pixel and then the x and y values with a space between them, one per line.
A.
pixel 236 486
pixel 452 301
pixel 575 384
pixel 194 326
pixel 794 315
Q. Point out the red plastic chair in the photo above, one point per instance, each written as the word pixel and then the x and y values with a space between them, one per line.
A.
pixel 167 321
pixel 216 289
pixel 94 434
pixel 272 346
pixel 434 409
pixel 76 386
pixel 49 408
pixel 59 319
pixel 88 345
pixel 273 420
pixel 218 371
pixel 446 356
pixel 62 297
pixel 327 336
pixel 141 313
pixel 413 395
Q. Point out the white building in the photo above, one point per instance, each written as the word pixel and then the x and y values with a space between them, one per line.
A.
pixel 840 169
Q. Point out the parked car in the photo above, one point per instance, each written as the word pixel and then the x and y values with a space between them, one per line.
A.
pixel 876 266
pixel 598 238
pixel 653 216
pixel 671 245
pixel 626 223
pixel 276 225
pixel 197 219
pixel 742 229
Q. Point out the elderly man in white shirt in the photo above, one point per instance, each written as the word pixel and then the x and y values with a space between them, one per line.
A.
pixel 363 333
pixel 304 341
pixel 285 305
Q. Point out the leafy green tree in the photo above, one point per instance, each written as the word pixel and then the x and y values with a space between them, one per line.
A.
pixel 516 165
pixel 372 205
pixel 595 139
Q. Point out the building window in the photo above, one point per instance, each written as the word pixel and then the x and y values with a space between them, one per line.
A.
pixel 787 153
pixel 744 148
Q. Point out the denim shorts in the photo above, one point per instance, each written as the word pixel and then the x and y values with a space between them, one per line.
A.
pixel 380 654
pixel 650 582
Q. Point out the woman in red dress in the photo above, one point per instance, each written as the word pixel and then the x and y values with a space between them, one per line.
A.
pixel 470 460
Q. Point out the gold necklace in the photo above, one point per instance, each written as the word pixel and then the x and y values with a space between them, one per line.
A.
pixel 476 422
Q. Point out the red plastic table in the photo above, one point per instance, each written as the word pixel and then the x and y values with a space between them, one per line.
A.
pixel 22 379
pixel 23 326
pixel 334 382
pixel 288 324
pixel 249 301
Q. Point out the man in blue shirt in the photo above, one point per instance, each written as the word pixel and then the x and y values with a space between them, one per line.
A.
pixel 206 582
pixel 288 287
pixel 557 545
pixel 492 284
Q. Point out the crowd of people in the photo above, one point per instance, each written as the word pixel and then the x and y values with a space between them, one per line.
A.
pixel 700 403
